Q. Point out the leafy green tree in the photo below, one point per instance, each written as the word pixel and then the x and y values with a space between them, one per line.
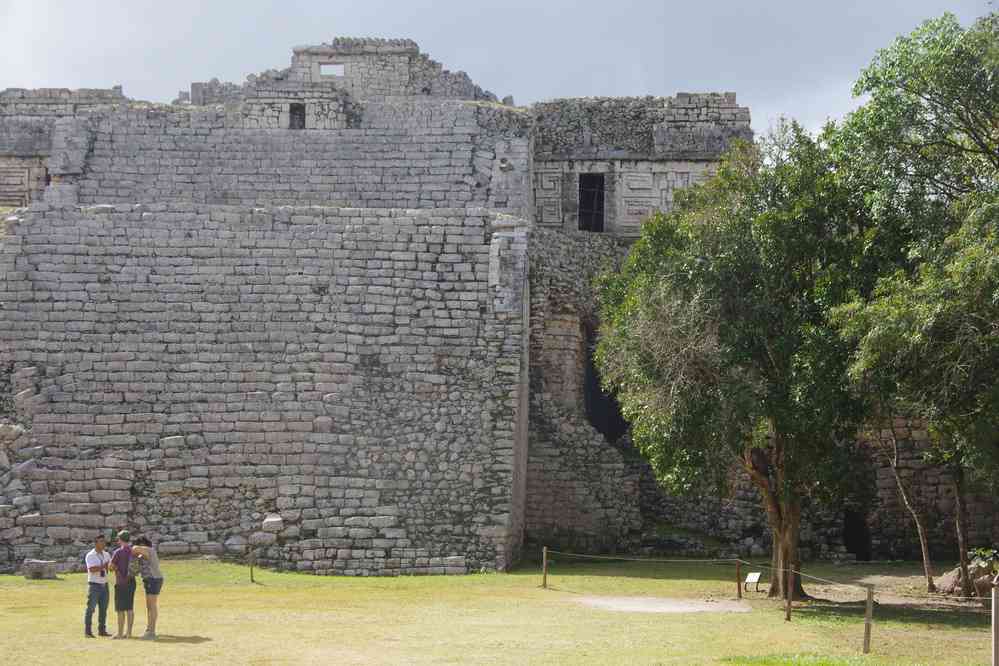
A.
pixel 924 154
pixel 935 335
pixel 715 336
pixel 928 131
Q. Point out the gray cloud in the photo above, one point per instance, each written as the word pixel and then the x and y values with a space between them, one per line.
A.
pixel 784 57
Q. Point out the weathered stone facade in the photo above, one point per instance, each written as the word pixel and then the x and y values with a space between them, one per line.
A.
pixel 582 491
pixel 27 127
pixel 931 489
pixel 640 151
pixel 187 369
pixel 341 313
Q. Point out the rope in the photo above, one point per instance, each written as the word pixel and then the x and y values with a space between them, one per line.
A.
pixel 733 560
pixel 642 559
pixel 730 560
pixel 861 586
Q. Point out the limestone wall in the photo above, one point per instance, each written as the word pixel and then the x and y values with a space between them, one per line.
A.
pixel 166 154
pixel 28 120
pixel 646 148
pixel 633 190
pixel 25 136
pixel 190 370
pixel 931 489
pixel 55 102
pixel 364 69
pixel 582 492
pixel 736 517
pixel 22 180
pixel 685 127
pixel 379 68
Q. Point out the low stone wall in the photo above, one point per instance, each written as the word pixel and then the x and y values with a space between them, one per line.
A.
pixel 189 370
pixel 736 516
pixel 931 487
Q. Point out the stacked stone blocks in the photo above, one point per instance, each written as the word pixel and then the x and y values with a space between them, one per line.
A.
pixel 353 371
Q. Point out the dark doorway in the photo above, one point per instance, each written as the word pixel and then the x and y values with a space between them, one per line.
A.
pixel 591 202
pixel 856 534
pixel 602 409
pixel 296 116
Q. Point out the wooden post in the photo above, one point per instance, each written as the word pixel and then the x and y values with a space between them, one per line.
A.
pixel 788 592
pixel 544 567
pixel 995 623
pixel 738 579
pixel 253 556
pixel 868 612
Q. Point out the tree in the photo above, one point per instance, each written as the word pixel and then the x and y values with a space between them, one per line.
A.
pixel 936 334
pixel 924 150
pixel 928 133
pixel 715 337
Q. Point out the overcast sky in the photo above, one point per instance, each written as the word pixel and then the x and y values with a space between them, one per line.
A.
pixel 796 58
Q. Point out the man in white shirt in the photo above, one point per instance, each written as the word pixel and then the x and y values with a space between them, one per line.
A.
pixel 97 587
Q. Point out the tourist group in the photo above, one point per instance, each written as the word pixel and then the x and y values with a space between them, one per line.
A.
pixel 129 560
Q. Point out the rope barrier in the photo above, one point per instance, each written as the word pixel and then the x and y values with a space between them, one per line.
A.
pixel 623 558
pixel 717 560
pixel 862 586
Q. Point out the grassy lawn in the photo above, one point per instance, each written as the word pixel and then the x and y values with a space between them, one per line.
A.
pixel 211 613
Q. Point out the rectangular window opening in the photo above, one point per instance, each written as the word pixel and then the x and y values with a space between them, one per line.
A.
pixel 591 202
pixel 296 116
pixel 332 69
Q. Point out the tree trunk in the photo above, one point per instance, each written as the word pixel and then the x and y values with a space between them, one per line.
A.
pixel 789 556
pixel 924 545
pixel 784 517
pixel 903 494
pixel 960 525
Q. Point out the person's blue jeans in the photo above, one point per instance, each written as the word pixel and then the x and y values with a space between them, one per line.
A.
pixel 97 596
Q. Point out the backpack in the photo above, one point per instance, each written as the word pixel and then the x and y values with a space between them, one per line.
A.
pixel 134 566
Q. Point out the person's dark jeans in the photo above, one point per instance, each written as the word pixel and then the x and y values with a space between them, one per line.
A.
pixel 97 596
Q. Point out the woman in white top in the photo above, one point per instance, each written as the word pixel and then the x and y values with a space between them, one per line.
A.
pixel 152 582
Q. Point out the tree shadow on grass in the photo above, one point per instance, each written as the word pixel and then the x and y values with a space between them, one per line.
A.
pixel 934 616
pixel 191 640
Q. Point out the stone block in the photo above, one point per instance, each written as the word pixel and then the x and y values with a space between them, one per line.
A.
pixel 39 569
pixel 235 544
pixel 194 537
pixel 263 538
pixel 173 548
pixel 59 533
pixel 212 548
pixel 273 523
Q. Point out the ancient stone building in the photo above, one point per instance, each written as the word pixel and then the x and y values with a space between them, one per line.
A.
pixel 340 313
